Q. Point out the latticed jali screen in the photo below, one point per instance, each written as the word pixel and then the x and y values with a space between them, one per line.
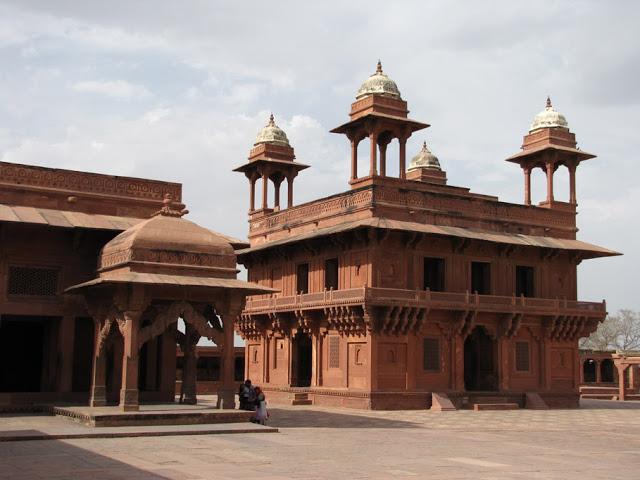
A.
pixel 32 281
pixel 334 352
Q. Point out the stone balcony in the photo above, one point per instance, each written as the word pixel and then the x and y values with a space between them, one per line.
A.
pixel 399 311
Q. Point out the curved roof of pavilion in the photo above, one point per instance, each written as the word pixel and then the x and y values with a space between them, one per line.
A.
pixel 167 249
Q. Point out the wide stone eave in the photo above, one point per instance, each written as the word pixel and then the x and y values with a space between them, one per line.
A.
pixel 589 250
pixel 155 279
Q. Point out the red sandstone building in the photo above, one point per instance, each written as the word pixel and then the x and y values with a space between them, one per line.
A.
pixel 95 271
pixel 407 292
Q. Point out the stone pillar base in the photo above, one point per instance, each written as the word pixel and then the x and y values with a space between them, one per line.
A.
pixel 190 400
pixel 129 400
pixel 226 399
pixel 98 397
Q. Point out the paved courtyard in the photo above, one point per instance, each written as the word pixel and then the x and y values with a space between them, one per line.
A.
pixel 599 441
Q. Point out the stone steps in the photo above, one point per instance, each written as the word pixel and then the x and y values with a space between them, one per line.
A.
pixel 495 406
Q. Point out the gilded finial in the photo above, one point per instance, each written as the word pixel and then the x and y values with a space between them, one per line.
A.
pixel 271 120
pixel 549 102
pixel 379 67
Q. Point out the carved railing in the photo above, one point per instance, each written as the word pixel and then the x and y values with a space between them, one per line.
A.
pixel 444 300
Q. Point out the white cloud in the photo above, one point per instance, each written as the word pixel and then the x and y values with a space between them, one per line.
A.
pixel 112 88
pixel 477 74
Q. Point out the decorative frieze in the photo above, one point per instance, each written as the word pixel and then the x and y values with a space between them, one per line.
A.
pixel 72 181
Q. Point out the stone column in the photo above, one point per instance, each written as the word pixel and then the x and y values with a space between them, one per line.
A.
pixel 572 183
pixel 383 159
pixel 549 181
pixel 190 366
pixel 373 155
pixel 354 160
pixel 289 192
pixel 252 194
pixel 527 185
pixel 621 387
pixel 265 184
pixel 276 197
pixel 598 374
pixel 129 400
pixel 227 392
pixel 98 396
pixel 403 157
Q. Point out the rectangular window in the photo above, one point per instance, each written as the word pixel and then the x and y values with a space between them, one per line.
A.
pixel 302 278
pixel 522 356
pixel 524 281
pixel 431 354
pixel 32 281
pixel 434 274
pixel 334 352
pixel 481 278
pixel 331 274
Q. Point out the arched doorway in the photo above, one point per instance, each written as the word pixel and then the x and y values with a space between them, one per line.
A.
pixel 479 361
pixel 301 358
pixel 606 371
pixel 589 371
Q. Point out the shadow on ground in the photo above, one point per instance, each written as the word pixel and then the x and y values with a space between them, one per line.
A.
pixel 55 459
pixel 309 418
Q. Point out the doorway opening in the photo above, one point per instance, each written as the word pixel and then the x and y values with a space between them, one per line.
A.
pixel 480 362
pixel 589 371
pixel 27 353
pixel 301 371
pixel 606 371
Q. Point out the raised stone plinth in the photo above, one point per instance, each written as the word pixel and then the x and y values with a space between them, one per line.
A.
pixel 169 414
pixel 495 406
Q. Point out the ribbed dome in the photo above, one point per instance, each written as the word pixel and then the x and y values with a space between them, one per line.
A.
pixel 169 244
pixel 424 159
pixel 273 134
pixel 379 84
pixel 547 118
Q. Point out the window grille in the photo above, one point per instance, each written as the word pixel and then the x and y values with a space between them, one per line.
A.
pixel 32 281
pixel 334 352
pixel 431 354
pixel 522 356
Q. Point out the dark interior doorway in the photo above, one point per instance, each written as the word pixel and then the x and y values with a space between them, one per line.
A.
pixel 606 371
pixel 301 360
pixel 83 340
pixel 524 281
pixel 480 362
pixel 481 278
pixel 25 345
pixel 589 371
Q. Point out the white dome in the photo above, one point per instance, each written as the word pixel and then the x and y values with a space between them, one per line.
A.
pixel 424 159
pixel 378 84
pixel 273 134
pixel 548 118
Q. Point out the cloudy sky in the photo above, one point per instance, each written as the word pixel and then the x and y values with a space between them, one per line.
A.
pixel 178 90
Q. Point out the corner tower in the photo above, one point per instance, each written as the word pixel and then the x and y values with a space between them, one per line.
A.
pixel 548 145
pixel 271 158
pixel 380 114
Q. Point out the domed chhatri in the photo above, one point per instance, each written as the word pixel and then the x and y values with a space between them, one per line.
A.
pixel 168 244
pixel 272 134
pixel 424 159
pixel 548 118
pixel 379 84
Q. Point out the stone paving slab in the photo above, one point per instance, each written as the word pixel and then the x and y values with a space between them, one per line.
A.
pixel 598 442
